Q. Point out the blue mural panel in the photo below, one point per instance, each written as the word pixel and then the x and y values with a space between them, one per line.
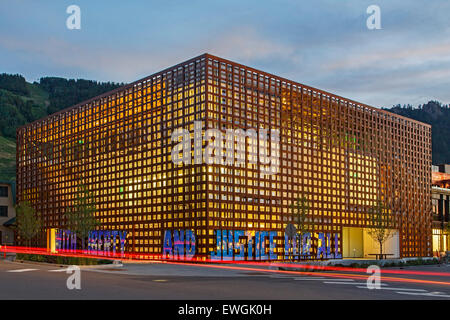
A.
pixel 306 245
pixel 190 244
pixel 272 254
pixel 218 254
pixel 167 245
pixel 239 246
pixel 262 253
pixel 178 244
pixel 250 244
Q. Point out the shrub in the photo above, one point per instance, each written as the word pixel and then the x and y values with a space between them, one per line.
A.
pixel 61 259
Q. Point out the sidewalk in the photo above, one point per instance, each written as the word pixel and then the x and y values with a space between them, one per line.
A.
pixel 364 262
pixel 10 256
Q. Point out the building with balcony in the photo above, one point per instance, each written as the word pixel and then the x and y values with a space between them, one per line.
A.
pixel 7 212
pixel 441 207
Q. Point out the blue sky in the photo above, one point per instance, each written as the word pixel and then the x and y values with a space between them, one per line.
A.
pixel 322 43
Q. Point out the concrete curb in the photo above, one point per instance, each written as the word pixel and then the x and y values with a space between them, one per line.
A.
pixel 319 265
pixel 57 265
pixel 9 256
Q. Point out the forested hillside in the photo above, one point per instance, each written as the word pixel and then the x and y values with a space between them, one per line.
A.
pixel 22 102
pixel 438 116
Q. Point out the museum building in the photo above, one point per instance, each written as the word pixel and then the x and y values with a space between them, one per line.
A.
pixel 341 157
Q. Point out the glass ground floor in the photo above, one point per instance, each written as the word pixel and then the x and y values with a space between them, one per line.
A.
pixel 357 243
pixel 349 242
pixel 440 241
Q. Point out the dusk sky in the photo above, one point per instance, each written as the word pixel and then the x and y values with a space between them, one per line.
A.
pixel 321 43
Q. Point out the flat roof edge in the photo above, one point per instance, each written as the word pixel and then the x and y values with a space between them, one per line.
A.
pixel 124 87
pixel 207 55
pixel 315 89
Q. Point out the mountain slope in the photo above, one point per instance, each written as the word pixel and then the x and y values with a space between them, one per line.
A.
pixel 438 116
pixel 22 102
pixel 7 159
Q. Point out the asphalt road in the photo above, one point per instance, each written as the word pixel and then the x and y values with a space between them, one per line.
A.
pixel 166 281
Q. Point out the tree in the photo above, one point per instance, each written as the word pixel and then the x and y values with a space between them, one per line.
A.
pixel 14 83
pixel 381 225
pixel 28 224
pixel 299 211
pixel 81 216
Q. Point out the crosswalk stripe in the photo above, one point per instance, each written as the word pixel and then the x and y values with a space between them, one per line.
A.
pixel 399 289
pixel 354 283
pixel 345 280
pixel 58 270
pixel 335 282
pixel 428 294
pixel 21 270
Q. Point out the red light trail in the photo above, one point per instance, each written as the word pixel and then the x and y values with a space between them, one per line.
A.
pixel 241 265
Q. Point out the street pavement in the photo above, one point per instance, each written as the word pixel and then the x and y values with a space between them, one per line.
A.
pixel 204 282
